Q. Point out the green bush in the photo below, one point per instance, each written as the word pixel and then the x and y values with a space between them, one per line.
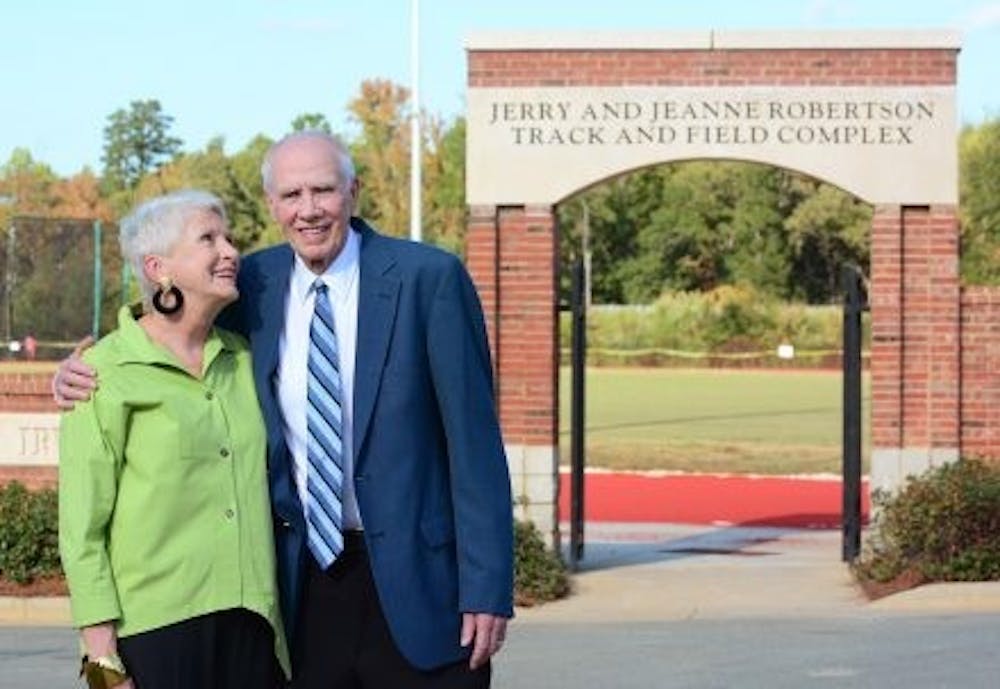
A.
pixel 29 547
pixel 729 320
pixel 29 533
pixel 942 526
pixel 539 574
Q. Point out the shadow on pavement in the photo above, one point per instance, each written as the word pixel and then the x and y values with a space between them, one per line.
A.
pixel 624 545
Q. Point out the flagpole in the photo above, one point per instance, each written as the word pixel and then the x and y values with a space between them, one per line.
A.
pixel 415 139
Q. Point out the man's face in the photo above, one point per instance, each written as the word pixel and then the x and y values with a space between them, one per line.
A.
pixel 310 200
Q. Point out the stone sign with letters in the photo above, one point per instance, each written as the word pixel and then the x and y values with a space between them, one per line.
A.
pixel 884 144
pixel 29 439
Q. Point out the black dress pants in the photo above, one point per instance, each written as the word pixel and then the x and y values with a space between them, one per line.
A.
pixel 231 649
pixel 343 640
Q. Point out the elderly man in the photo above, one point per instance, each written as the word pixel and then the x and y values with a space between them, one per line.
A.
pixel 389 484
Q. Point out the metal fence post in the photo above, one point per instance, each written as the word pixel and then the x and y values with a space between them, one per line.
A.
pixel 98 281
pixel 853 306
pixel 579 357
pixel 9 283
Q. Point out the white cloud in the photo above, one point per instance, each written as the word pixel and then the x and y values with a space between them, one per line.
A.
pixel 984 17
pixel 304 25
pixel 828 10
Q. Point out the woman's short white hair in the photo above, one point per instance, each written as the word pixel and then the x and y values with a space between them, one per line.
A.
pixel 154 227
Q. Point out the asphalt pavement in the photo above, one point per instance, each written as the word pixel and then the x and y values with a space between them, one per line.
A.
pixel 660 606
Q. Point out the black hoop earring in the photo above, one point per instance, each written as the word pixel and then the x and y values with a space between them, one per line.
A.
pixel 178 299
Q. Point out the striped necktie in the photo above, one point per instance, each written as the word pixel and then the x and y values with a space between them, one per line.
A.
pixel 324 425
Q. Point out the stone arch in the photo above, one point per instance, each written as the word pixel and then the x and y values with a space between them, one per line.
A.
pixel 872 113
pixel 718 159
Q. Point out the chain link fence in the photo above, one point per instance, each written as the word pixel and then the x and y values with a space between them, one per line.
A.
pixel 62 279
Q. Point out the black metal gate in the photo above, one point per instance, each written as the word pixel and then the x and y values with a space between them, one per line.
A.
pixel 855 302
pixel 578 309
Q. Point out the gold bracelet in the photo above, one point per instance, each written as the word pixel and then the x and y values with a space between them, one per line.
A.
pixel 103 672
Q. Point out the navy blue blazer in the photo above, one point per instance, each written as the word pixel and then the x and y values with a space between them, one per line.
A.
pixel 430 471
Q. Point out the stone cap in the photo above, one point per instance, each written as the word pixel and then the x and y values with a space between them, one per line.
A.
pixel 772 39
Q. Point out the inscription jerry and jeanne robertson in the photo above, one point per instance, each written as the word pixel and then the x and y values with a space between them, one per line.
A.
pixel 716 122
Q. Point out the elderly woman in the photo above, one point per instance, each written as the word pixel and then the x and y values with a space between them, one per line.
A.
pixel 164 520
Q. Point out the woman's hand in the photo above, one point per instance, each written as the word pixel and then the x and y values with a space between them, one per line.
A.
pixel 102 640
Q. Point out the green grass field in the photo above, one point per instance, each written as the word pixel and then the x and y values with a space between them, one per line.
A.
pixel 712 420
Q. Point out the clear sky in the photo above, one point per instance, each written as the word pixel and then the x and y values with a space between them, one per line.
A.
pixel 237 68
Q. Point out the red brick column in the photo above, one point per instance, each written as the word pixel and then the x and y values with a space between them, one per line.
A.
pixel 483 261
pixel 943 361
pixel 528 332
pixel 512 256
pixel 915 341
pixel 886 300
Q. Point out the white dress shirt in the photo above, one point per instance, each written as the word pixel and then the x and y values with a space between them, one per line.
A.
pixel 341 279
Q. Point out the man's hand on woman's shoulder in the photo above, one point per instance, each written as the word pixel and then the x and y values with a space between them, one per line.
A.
pixel 74 380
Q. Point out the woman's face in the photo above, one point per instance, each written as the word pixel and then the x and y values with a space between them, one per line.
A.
pixel 203 263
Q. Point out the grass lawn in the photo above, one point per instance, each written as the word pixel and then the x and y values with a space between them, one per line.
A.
pixel 712 420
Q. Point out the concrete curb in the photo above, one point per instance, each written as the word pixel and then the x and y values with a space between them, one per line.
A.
pixel 585 604
pixel 958 597
pixel 35 611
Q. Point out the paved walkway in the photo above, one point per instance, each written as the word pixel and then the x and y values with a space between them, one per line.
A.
pixel 668 572
pixel 696 607
pixel 655 572
pixel 679 607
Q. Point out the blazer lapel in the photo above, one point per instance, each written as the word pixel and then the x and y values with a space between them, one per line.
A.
pixel 378 295
pixel 271 317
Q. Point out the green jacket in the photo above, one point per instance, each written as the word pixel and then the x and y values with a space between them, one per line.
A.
pixel 163 505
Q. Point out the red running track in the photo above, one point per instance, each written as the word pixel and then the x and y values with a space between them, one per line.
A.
pixel 804 502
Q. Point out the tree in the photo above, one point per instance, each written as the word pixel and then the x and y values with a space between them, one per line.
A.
pixel 311 121
pixel 252 222
pixel 979 167
pixel 714 223
pixel 614 212
pixel 381 153
pixel 234 179
pixel 27 185
pixel 444 185
pixel 826 229
pixel 80 196
pixel 136 142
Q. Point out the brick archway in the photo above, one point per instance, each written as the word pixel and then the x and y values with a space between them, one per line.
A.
pixel 873 113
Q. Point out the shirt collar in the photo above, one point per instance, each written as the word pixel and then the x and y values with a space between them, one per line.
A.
pixel 338 276
pixel 138 348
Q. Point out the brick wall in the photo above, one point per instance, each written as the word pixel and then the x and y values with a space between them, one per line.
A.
pixel 914 292
pixel 512 255
pixel 32 477
pixel 821 67
pixel 981 372
pixel 915 327
pixel 26 391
